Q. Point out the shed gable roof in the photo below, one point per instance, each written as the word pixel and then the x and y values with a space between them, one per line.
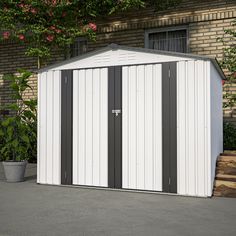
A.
pixel 124 55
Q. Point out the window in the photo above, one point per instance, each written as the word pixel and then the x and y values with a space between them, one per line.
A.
pixel 79 47
pixel 168 40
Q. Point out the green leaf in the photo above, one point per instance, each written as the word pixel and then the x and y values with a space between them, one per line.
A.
pixel 6 122
pixel 25 138
pixel 8 77
pixel 10 131
pixel 14 87
pixel 229 136
pixel 13 107
pixel 1 133
pixel 15 143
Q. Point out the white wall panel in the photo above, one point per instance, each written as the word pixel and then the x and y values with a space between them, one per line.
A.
pixel 181 127
pixel 103 151
pixel 201 69
pixel 90 139
pixel 141 131
pixel 157 127
pixel 191 117
pixel 79 127
pixel 42 123
pixel 88 127
pixel 96 126
pixel 57 128
pixel 125 129
pixel 148 133
pixel 49 153
pixel 132 127
pixel 208 140
pixel 216 119
pixel 39 128
pixel 49 137
pixel 193 128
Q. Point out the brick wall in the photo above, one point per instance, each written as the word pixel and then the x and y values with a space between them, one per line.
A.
pixel 203 37
pixel 205 20
pixel 12 57
pixel 203 41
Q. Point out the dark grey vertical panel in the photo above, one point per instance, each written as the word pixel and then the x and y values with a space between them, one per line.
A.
pixel 111 127
pixel 118 127
pixel 173 127
pixel 114 128
pixel 169 127
pixel 165 127
pixel 66 126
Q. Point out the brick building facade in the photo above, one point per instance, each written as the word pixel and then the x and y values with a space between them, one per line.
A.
pixel 193 27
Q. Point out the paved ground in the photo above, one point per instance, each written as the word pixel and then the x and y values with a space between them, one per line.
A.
pixel 30 209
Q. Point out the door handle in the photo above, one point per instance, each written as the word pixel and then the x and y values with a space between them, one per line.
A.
pixel 117 112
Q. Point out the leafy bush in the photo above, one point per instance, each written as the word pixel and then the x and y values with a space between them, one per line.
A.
pixel 229 136
pixel 18 131
pixel 228 63
pixel 45 25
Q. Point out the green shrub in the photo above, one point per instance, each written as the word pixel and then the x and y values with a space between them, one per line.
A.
pixel 229 136
pixel 18 130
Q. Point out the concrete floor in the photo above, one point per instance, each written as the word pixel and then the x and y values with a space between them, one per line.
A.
pixel 30 209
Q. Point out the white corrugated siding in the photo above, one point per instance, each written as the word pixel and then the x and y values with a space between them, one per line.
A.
pixel 142 127
pixel 193 128
pixel 90 131
pixel 49 126
pixel 216 120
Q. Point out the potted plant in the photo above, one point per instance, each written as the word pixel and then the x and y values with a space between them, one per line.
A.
pixel 18 129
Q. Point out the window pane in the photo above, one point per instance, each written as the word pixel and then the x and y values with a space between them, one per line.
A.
pixel 169 41
pixel 158 41
pixel 177 41
pixel 79 47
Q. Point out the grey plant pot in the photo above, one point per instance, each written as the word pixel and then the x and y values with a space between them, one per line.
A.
pixel 14 170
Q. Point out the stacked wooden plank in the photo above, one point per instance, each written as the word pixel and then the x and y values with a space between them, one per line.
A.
pixel 225 182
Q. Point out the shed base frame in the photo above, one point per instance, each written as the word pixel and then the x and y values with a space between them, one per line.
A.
pixel 123 190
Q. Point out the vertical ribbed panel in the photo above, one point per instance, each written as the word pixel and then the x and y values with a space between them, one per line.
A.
pixel 193 128
pixel 49 126
pixel 42 123
pixel 57 128
pixel 39 128
pixel 49 152
pixel 216 119
pixel 90 138
pixel 142 127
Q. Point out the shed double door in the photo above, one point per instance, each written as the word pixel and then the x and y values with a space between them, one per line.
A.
pixel 119 118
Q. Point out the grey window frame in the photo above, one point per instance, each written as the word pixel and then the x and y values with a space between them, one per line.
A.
pixel 166 29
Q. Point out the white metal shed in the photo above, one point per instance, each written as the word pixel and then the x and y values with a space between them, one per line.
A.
pixel 131 118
